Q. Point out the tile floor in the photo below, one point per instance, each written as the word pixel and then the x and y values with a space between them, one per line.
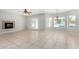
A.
pixel 54 39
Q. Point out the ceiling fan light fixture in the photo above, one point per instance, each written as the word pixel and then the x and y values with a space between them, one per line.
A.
pixel 27 12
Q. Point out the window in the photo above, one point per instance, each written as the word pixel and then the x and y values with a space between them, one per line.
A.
pixel 50 22
pixel 71 22
pixel 60 22
pixel 35 23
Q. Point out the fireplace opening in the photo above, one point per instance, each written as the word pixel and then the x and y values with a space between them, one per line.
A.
pixel 8 25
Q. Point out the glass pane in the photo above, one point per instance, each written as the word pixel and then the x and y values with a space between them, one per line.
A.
pixel 71 22
pixel 35 23
pixel 50 22
pixel 60 22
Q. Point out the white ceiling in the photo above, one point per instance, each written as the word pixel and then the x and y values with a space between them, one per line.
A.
pixel 35 11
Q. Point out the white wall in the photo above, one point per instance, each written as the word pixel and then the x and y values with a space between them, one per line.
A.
pixel 19 21
pixel 23 22
pixel 74 12
pixel 47 16
pixel 41 21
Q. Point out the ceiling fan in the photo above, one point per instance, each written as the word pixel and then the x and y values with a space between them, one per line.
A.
pixel 27 12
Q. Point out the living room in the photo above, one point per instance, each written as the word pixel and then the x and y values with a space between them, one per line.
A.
pixel 39 28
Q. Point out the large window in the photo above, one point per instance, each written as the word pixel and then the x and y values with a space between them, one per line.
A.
pixel 71 22
pixel 60 22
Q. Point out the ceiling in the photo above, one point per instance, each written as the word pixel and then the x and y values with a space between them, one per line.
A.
pixel 35 11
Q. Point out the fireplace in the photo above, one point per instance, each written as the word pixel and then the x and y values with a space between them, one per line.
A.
pixel 8 24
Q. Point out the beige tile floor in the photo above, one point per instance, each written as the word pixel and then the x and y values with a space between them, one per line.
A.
pixel 54 39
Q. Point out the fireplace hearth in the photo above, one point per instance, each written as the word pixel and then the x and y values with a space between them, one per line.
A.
pixel 8 24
